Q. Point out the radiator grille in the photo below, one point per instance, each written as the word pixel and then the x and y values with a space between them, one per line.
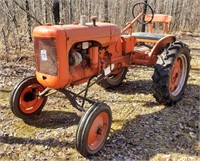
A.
pixel 46 56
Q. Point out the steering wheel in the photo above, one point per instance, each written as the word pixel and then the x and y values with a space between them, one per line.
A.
pixel 139 8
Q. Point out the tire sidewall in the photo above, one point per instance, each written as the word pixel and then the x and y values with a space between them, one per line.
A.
pixel 181 51
pixel 109 83
pixel 15 97
pixel 120 76
pixel 85 125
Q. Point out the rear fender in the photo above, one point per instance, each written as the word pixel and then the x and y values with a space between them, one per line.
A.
pixel 160 46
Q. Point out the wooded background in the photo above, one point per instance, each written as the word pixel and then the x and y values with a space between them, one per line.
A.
pixel 19 17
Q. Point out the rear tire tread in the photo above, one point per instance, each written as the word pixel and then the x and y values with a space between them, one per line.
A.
pixel 162 73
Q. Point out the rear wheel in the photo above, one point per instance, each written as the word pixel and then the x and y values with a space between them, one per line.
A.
pixel 24 101
pixel 171 73
pixel 114 80
pixel 93 129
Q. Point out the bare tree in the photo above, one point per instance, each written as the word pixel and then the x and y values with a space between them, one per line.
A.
pixel 105 10
pixel 14 24
pixel 19 17
pixel 5 38
pixel 56 11
pixel 70 11
pixel 28 21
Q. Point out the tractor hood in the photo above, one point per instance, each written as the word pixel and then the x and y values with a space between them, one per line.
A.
pixel 104 33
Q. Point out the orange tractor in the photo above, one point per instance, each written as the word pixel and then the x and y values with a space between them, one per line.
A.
pixel 99 52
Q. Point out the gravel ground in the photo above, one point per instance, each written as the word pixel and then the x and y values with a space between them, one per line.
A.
pixel 141 129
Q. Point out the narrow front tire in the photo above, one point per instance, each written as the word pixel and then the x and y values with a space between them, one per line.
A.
pixel 93 129
pixel 24 100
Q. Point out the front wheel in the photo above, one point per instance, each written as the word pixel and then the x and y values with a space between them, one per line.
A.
pixel 93 129
pixel 171 73
pixel 24 99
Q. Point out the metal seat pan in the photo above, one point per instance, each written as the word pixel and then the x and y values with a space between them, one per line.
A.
pixel 148 36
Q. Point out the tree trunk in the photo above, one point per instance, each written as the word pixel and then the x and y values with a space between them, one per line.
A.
pixel 105 17
pixel 56 11
pixel 70 11
pixel 44 11
pixel 28 21
pixel 90 8
pixel 5 41
pixel 14 26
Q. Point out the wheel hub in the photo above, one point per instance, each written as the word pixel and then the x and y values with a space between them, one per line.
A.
pixel 98 130
pixel 178 75
pixel 29 96
pixel 29 102
pixel 175 75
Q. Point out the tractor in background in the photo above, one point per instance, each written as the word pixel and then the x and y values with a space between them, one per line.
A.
pixel 98 52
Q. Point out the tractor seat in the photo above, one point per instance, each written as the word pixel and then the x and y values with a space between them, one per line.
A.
pixel 148 37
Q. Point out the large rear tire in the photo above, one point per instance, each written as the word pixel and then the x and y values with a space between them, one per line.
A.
pixel 171 73
pixel 114 80
pixel 24 101
pixel 93 129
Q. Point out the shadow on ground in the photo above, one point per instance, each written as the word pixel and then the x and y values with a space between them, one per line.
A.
pixel 47 120
pixel 134 87
pixel 54 120
pixel 48 142
pixel 171 130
